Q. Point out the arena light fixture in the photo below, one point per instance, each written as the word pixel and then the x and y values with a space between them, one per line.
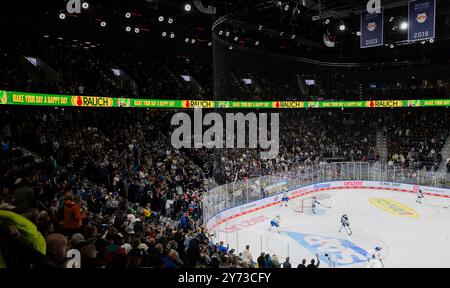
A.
pixel 231 47
pixel 187 7
pixel 128 15
pixel 209 44
pixel 358 33
pixel 260 27
pixel 193 41
pixel 431 40
pixel 62 16
pixel 392 46
pixel 172 35
pixel 103 24
pixel 136 30
pixel 404 26
pixel 170 21
pixel 256 43
pixel 293 36
pixel 286 7
pixel 422 42
pixel 342 27
pixel 128 28
pixel 220 32
pixel 164 34
pixel 236 38
pixel 227 33
pixel 327 21
pixel 161 18
pixel 85 5
pixel 186 40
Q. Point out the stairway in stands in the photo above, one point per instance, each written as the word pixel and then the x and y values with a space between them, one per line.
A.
pixel 445 152
pixel 381 145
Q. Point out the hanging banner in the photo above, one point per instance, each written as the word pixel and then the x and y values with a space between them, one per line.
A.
pixel 372 28
pixel 422 20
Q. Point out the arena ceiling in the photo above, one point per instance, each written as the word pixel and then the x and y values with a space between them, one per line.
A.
pixel 166 23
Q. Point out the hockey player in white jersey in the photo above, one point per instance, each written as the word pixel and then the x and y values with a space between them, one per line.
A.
pixel 345 224
pixel 374 259
pixel 419 196
pixel 275 224
pixel 284 199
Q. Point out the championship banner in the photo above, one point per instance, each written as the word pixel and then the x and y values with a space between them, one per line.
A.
pixel 372 29
pixel 422 20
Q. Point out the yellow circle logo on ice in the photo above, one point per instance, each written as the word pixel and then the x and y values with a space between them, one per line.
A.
pixel 394 207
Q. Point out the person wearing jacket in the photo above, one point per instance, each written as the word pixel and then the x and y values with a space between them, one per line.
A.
pixel 72 215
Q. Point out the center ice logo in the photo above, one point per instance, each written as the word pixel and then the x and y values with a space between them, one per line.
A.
pixel 394 207
pixel 342 251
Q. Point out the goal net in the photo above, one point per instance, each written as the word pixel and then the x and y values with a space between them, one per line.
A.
pixel 304 204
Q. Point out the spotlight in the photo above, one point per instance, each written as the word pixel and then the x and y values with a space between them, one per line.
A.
pixel 220 32
pixel 128 15
pixel 422 42
pixel 210 44
pixel 161 18
pixel 103 24
pixel 256 43
pixel 293 37
pixel 172 35
pixel 391 19
pixel 279 4
pixel 342 27
pixel 236 38
pixel 128 28
pixel 327 21
pixel 281 33
pixel 193 41
pixel 260 27
pixel 62 16
pixel 187 7
pixel 85 5
pixel 186 40
pixel 164 34
pixel 286 8
pixel 404 25
pixel 227 34
pixel 431 40
pixel 136 30
pixel 231 48
pixel 170 21
pixel 392 46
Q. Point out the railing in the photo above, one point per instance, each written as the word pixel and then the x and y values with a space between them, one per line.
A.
pixel 230 195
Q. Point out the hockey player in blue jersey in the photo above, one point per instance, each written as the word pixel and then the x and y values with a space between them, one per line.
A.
pixel 284 200
pixel 275 224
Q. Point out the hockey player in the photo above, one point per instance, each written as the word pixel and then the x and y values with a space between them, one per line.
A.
pixel 374 258
pixel 284 199
pixel 275 224
pixel 419 196
pixel 345 224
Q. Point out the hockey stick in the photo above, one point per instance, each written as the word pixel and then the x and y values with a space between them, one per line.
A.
pixel 324 205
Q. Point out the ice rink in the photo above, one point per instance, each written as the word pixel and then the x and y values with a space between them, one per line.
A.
pixel 411 234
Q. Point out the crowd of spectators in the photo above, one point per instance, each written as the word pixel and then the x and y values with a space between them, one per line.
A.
pixel 113 185
pixel 77 68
